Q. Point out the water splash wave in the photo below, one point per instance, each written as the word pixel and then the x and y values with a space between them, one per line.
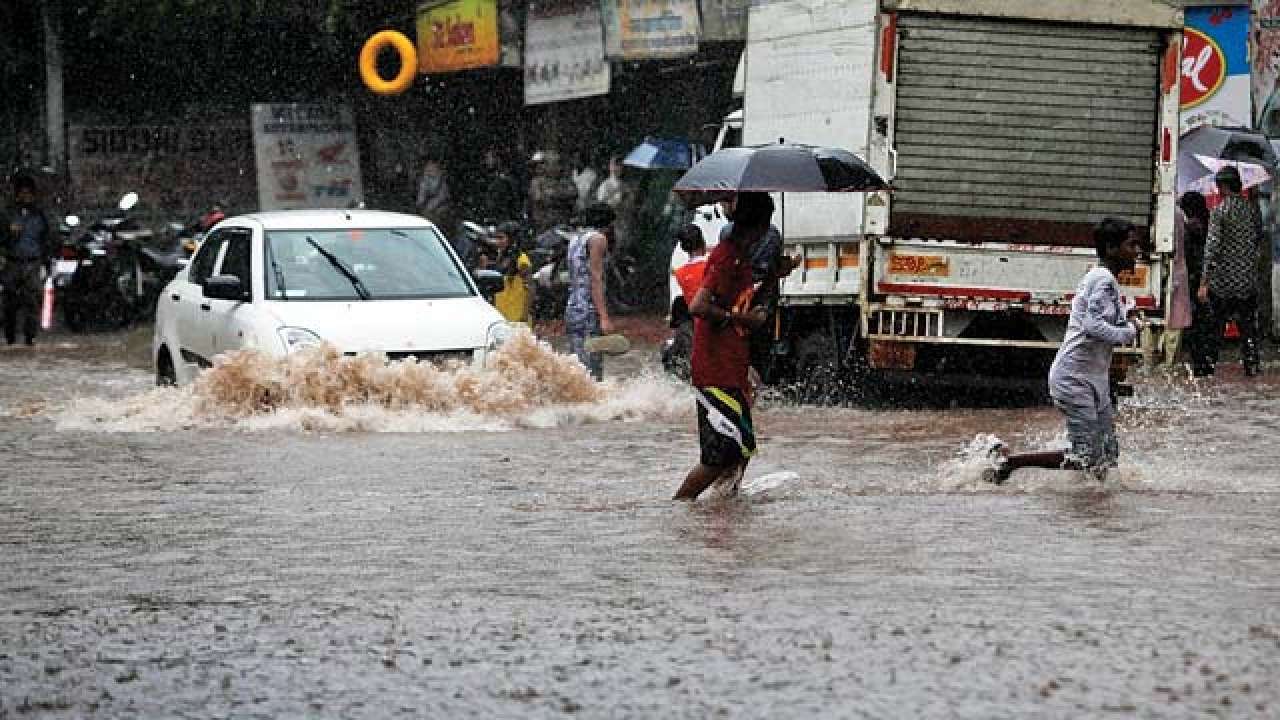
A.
pixel 527 384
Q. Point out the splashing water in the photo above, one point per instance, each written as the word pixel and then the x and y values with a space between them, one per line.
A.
pixel 526 384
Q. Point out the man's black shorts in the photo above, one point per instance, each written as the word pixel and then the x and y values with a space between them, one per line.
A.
pixel 725 433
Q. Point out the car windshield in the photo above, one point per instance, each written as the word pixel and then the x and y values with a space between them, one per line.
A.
pixel 372 264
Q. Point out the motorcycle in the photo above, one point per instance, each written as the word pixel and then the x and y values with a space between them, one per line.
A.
pixel 117 277
pixel 549 254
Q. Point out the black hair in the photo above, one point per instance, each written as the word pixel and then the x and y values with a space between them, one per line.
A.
pixel 22 181
pixel 511 229
pixel 1228 178
pixel 596 215
pixel 753 209
pixel 1194 206
pixel 690 239
pixel 1110 233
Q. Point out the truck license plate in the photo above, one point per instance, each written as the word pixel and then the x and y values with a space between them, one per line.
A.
pixel 927 265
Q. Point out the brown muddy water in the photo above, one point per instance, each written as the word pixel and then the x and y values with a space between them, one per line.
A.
pixel 331 538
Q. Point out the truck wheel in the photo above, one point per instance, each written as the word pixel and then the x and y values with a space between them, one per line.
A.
pixel 818 376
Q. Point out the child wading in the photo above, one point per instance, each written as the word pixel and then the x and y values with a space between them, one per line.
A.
pixel 721 351
pixel 1079 380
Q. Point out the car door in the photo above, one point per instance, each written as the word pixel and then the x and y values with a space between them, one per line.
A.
pixel 192 342
pixel 227 321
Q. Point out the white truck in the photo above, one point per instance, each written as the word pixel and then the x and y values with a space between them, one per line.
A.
pixel 1008 129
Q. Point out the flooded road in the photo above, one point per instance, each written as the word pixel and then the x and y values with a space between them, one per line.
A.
pixel 480 552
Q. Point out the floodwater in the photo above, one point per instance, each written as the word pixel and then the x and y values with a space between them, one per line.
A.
pixel 409 542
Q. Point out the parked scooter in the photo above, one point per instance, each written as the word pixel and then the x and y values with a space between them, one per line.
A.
pixel 118 276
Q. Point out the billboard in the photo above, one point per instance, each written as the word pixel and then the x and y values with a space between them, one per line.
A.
pixel 306 155
pixel 564 53
pixel 1215 68
pixel 1266 66
pixel 457 35
pixel 181 168
pixel 638 29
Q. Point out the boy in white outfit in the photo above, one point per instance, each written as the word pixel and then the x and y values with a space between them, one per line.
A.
pixel 1079 380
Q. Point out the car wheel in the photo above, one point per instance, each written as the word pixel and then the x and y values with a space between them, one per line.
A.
pixel 166 373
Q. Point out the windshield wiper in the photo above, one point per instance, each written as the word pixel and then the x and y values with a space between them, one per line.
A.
pixel 361 290
pixel 275 269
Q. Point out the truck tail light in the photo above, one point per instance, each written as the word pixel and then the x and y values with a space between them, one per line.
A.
pixel 1166 146
pixel 889 46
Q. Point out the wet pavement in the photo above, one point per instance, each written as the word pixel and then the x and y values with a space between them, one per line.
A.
pixel 165 555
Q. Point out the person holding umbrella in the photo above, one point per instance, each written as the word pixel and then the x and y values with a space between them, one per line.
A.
pixel 1229 278
pixel 721 351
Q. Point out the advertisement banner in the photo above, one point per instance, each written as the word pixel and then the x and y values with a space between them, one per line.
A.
pixel 1266 66
pixel 457 35
pixel 638 29
pixel 725 20
pixel 1215 68
pixel 307 156
pixel 179 169
pixel 564 53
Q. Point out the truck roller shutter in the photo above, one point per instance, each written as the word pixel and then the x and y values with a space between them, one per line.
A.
pixel 1022 131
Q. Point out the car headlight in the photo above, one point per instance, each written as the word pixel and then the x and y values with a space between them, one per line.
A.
pixel 296 338
pixel 499 333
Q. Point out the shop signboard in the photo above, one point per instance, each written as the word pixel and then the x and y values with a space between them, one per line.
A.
pixel 1215 68
pixel 564 53
pixel 178 168
pixel 307 156
pixel 639 29
pixel 725 20
pixel 457 35
pixel 1265 66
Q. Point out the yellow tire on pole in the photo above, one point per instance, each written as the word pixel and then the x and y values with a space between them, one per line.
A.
pixel 369 62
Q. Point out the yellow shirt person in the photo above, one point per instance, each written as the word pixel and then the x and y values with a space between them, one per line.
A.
pixel 516 298
pixel 513 301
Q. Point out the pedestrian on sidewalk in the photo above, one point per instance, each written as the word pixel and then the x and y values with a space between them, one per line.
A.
pixel 1180 311
pixel 585 179
pixel 26 247
pixel 552 194
pixel 1195 231
pixel 586 313
pixel 721 352
pixel 433 201
pixel 1079 379
pixel 1229 279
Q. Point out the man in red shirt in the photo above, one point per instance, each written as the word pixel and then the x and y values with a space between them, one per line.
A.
pixel 721 350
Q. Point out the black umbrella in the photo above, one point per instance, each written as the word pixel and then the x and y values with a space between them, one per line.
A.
pixel 1239 144
pixel 776 168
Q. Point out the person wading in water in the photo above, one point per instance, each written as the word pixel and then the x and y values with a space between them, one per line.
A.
pixel 1079 380
pixel 721 351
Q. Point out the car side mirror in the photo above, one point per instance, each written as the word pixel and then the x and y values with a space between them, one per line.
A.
pixel 226 287
pixel 490 282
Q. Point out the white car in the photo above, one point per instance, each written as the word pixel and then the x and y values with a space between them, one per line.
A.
pixel 361 280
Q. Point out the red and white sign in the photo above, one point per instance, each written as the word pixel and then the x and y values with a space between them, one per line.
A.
pixel 1204 67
